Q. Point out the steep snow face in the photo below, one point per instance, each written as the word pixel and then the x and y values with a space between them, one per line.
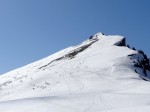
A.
pixel 97 75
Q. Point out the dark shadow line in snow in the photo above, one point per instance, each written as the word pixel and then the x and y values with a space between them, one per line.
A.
pixel 71 54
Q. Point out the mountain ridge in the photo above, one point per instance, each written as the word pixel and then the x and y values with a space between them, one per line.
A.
pixel 97 74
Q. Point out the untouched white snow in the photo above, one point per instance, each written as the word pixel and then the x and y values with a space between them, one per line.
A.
pixel 99 78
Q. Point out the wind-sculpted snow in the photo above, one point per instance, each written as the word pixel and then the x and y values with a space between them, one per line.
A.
pixel 97 75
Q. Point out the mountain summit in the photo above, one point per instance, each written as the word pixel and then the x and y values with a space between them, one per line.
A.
pixel 100 74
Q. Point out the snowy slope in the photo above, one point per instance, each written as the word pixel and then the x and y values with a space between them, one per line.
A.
pixel 100 74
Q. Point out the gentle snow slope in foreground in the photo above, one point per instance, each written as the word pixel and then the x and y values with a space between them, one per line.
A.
pixel 97 75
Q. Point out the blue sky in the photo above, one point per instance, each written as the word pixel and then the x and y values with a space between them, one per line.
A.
pixel 33 29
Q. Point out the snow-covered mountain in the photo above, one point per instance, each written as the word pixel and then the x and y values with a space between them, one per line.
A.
pixel 99 75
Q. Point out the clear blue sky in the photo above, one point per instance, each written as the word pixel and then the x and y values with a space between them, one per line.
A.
pixel 33 29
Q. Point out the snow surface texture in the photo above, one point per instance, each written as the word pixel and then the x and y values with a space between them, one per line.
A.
pixel 96 76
